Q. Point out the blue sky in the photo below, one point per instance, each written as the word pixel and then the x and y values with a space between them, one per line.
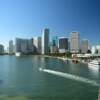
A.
pixel 27 18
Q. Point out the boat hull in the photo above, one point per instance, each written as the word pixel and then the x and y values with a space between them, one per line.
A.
pixel 95 65
pixel 17 54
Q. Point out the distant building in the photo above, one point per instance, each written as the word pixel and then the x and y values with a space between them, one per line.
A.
pixel 37 43
pixel 53 49
pixel 63 45
pixel 98 49
pixel 11 47
pixel 95 49
pixel 14 48
pixel 55 41
pixel 7 50
pixel 24 45
pixel 54 45
pixel 84 46
pixel 1 49
pixel 68 44
pixel 45 41
pixel 74 42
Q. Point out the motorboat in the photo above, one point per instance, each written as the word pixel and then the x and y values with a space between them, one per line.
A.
pixel 94 65
pixel 18 54
pixel 95 62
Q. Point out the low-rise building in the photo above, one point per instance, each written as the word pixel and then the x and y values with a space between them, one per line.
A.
pixel 53 49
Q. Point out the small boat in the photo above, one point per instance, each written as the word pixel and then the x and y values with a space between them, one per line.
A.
pixel 94 62
pixel 18 54
pixel 94 65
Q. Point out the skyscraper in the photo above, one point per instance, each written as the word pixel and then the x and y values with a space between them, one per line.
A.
pixel 11 47
pixel 84 46
pixel 37 44
pixel 63 45
pixel 55 41
pixel 45 41
pixel 54 45
pixel 74 42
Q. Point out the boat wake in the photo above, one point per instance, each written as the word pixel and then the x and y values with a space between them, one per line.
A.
pixel 70 76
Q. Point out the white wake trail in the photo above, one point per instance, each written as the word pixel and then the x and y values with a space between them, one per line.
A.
pixel 70 76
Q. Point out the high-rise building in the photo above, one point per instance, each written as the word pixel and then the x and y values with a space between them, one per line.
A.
pixel 54 45
pixel 63 45
pixel 37 43
pixel 74 42
pixel 54 41
pixel 7 50
pixel 93 49
pixel 45 41
pixel 11 47
pixel 24 45
pixel 84 46
pixel 1 49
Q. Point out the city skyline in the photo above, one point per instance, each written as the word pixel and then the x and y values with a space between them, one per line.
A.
pixel 27 18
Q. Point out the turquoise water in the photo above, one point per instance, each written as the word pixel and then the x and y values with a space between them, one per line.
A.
pixel 20 79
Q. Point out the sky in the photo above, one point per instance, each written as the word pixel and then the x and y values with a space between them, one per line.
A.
pixel 27 18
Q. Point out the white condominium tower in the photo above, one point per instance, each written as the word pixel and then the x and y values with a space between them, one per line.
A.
pixel 74 42
pixel 11 47
pixel 37 44
pixel 45 41
pixel 84 46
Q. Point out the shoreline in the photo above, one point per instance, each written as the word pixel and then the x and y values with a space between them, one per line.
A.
pixel 60 58
pixel 65 59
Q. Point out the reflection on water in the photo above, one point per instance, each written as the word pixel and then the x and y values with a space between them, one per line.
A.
pixel 95 72
pixel 95 68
